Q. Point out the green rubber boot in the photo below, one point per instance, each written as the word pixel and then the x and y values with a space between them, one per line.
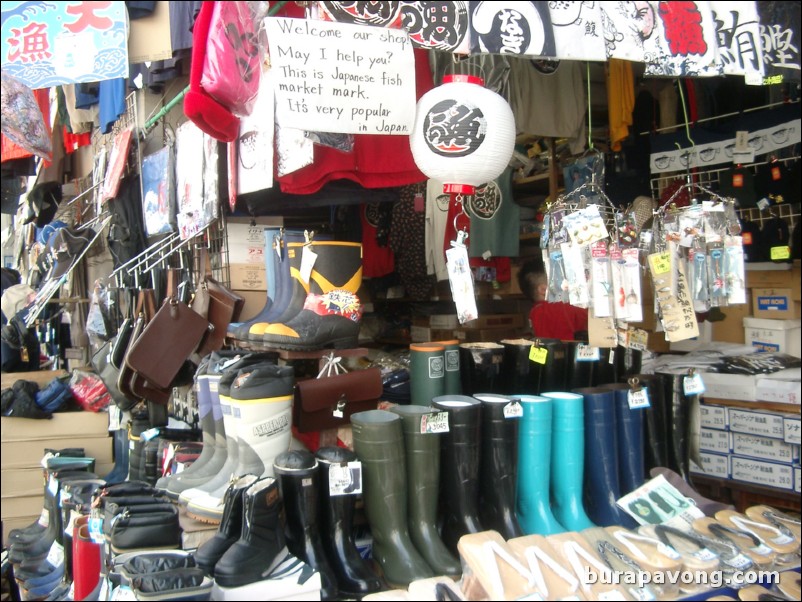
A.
pixel 427 372
pixel 379 444
pixel 423 484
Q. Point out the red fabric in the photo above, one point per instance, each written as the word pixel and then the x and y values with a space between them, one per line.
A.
pixel 557 320
pixel 9 150
pixel 72 142
pixel 376 261
pixel 205 112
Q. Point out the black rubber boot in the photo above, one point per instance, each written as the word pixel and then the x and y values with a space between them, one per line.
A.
pixel 230 529
pixel 499 466
pixel 298 478
pixel 355 577
pixel 480 367
pixel 678 407
pixel 460 452
pixel 519 374
pixel 261 547
pixel 657 420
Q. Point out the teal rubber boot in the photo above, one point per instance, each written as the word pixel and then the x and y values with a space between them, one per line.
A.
pixel 568 460
pixel 534 462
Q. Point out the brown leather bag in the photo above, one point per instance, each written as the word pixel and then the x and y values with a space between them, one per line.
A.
pixel 145 310
pixel 220 306
pixel 329 402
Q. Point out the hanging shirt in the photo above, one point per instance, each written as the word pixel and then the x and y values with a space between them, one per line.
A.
pixel 112 102
pixel 407 241
pixel 377 259
pixel 495 219
pixel 436 215
pixel 620 100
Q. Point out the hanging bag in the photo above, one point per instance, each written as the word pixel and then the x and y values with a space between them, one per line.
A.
pixel 219 305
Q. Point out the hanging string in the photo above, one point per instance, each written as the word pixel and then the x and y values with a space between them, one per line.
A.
pixel 685 113
pixel 590 111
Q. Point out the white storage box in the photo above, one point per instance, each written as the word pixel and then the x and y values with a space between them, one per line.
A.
pixel 751 422
pixel 797 479
pixel 713 465
pixel 763 448
pixel 713 417
pixel 792 427
pixel 714 441
pixel 769 474
pixel 742 387
pixel 774 335
pixel 784 386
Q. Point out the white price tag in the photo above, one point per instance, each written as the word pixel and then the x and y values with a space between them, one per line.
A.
pixel 782 540
pixel 44 517
pixel 52 485
pixel 586 353
pixel 115 418
pixel 705 554
pixel 436 422
pixel 739 562
pixel 64 496
pixel 693 385
pixel 56 554
pixel 70 526
pixel 308 258
pixel 668 551
pixel 514 409
pixel 123 593
pixel 611 358
pixel 461 280
pixel 638 400
pixel 96 529
pixel 337 412
pixel 150 434
pixel 345 480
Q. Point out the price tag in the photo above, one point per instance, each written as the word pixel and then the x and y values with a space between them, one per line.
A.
pixel 44 517
pixel 538 354
pixel 52 485
pixel 762 549
pixel 339 480
pixel 308 258
pixel 56 554
pixel 115 418
pixel 64 496
pixel 738 561
pixel 436 422
pixel 611 358
pixel 780 253
pixel 514 409
pixel 150 434
pixel 96 529
pixel 705 554
pixel 782 540
pixel 693 385
pixel 638 400
pixel 586 353
pixel 763 204
pixel 637 339
pixel 70 526
pixel 660 262
pixel 123 593
pixel 668 551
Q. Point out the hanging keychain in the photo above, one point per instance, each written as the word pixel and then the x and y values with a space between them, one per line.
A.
pixel 601 280
pixel 633 285
pixel 575 280
pixel 697 276
pixel 459 274
pixel 734 269
pixel 718 289
pixel 558 285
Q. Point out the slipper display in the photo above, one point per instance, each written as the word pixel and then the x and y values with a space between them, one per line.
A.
pixel 615 557
pixel 496 569
pixel 757 593
pixel 772 516
pixel 789 585
pixel 781 541
pixel 760 555
pixel 575 552
pixel 552 579
pixel 653 555
pixel 694 552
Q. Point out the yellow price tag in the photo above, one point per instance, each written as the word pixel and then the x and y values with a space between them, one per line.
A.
pixel 538 354
pixel 780 253
pixel 660 262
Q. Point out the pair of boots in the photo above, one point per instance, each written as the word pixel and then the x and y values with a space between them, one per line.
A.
pixel 305 315
pixel 551 464
pixel 249 543
pixel 613 452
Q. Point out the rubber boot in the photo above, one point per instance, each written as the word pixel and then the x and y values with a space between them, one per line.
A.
pixel 567 460
pixel 656 420
pixel 76 506
pixel 499 466
pixel 519 374
pixel 578 373
pixel 427 372
pixel 86 564
pixel 261 399
pixel 629 434
pixel 453 382
pixel 355 577
pixel 605 371
pixel 460 462
pixel 678 406
pixel 272 254
pixel 331 311
pixel 299 480
pixel 423 487
pixel 480 365
pixel 534 465
pixel 603 487
pixel 628 362
pixel 261 547
pixel 379 445
pixel 230 529
pixel 120 471
pixel 551 374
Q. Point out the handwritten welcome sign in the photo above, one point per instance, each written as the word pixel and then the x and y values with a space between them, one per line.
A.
pixel 342 78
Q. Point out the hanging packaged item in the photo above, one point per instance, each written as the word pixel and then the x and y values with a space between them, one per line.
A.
pixel 158 187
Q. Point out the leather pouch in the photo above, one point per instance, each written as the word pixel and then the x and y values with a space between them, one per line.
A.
pixel 101 362
pixel 177 584
pixel 216 303
pixel 156 529
pixel 325 403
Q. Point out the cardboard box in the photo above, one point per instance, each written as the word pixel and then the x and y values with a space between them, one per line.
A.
pixel 784 386
pixel 774 335
pixel 494 321
pixel 21 481
pixel 731 328
pixel 714 440
pixel 759 472
pixel 773 275
pixel 713 465
pixel 763 448
pixel 443 321
pixel 774 304
pixel 751 422
pixel 741 387
pixel 254 303
pixel 22 506
pixel 713 417
pixel 791 430
pixel 28 454
pixel 63 425
pixel 248 277
pixel 424 334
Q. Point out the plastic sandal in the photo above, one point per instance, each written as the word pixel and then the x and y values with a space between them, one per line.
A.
pixel 762 556
pixel 552 578
pixel 653 555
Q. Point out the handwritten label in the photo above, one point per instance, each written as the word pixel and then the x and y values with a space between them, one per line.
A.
pixel 436 422
pixel 538 354
pixel 342 78
pixel 586 353
pixel 638 399
pixel 514 409
pixel 693 385
pixel 780 253
pixel 660 263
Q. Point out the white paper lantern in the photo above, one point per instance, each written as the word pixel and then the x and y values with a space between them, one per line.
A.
pixel 464 134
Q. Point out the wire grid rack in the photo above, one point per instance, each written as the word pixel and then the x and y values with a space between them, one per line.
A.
pixel 215 241
pixel 711 179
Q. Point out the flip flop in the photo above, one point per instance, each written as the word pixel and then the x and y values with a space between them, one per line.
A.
pixel 573 551
pixel 772 516
pixel 790 584
pixel 653 555
pixel 435 589
pixel 760 555
pixel 552 577
pixel 694 550
pixel 495 568
pixel 615 557
pixel 782 541
pixel 758 593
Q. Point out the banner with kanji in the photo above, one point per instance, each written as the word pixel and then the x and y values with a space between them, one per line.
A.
pixel 46 44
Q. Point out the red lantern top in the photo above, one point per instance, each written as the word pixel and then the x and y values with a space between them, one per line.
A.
pixel 458 78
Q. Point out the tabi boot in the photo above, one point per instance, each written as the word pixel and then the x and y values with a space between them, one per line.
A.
pixel 379 445
pixel 355 577
pixel 602 487
pixel 480 365
pixel 298 478
pixel 261 546
pixel 499 464
pixel 460 463
pixel 534 467
pixel 230 529
pixel 331 311
pixel 568 459
pixel 423 487
pixel 629 438
pixel 261 399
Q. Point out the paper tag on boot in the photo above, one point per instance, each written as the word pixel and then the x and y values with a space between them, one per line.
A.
pixel 538 354
pixel 44 517
pixel 436 422
pixel 123 592
pixel 96 530
pixel 513 409
pixel 638 399
pixel 308 258
pixel 345 480
pixel 56 554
